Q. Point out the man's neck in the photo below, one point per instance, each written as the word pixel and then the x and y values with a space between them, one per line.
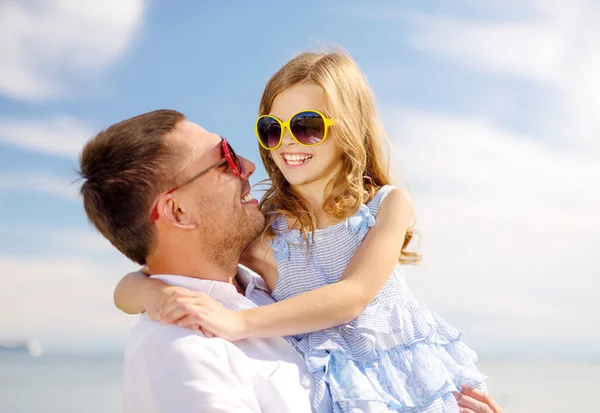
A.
pixel 192 264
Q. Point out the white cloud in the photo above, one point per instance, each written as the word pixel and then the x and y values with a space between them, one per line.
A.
pixel 46 49
pixel 510 227
pixel 509 220
pixel 555 46
pixel 82 240
pixel 39 182
pixel 44 45
pixel 62 136
pixel 61 293
pixel 61 297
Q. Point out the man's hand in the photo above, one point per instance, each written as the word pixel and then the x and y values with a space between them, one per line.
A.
pixel 475 401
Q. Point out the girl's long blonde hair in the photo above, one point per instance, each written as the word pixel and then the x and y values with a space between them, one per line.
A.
pixel 359 134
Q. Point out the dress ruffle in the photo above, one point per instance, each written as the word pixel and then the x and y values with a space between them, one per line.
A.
pixel 409 365
pixel 361 221
pixel 281 243
pixel 397 356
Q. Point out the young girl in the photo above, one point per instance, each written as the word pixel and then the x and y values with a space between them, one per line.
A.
pixel 336 235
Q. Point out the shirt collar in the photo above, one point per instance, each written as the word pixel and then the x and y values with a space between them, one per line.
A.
pixel 248 279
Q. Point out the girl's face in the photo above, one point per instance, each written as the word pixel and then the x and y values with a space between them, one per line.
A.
pixel 301 165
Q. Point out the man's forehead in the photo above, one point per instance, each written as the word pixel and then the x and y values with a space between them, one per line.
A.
pixel 196 139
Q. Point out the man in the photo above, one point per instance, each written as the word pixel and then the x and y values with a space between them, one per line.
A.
pixel 176 198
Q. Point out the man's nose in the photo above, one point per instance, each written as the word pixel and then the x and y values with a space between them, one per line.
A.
pixel 247 167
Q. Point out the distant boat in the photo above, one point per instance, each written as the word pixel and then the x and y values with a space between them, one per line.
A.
pixel 32 347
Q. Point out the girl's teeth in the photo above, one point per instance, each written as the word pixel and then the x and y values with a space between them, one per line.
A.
pixel 297 159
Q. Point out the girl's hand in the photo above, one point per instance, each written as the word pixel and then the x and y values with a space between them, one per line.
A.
pixel 199 311
pixel 154 295
pixel 475 401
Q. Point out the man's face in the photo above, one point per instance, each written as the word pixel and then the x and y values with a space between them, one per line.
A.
pixel 215 201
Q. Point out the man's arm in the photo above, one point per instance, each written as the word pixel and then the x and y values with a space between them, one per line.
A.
pixel 190 373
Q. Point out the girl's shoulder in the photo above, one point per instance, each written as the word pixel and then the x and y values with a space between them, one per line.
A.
pixel 382 193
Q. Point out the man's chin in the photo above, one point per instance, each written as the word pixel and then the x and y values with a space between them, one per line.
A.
pixel 258 227
pixel 250 226
pixel 255 215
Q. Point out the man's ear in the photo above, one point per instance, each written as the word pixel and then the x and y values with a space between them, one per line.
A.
pixel 175 212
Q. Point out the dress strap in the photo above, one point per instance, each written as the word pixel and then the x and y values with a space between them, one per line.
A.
pixel 378 198
pixel 285 236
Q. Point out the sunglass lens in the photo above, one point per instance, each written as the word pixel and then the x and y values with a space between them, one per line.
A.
pixel 269 132
pixel 308 127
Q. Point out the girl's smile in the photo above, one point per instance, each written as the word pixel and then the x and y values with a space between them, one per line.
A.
pixel 295 159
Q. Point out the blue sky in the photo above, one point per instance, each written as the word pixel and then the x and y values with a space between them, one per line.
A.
pixel 492 109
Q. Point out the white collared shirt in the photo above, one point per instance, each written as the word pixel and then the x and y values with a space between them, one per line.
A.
pixel 168 369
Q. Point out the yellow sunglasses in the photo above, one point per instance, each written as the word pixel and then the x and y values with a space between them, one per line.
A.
pixel 308 128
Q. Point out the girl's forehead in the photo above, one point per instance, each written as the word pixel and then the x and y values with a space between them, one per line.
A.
pixel 304 96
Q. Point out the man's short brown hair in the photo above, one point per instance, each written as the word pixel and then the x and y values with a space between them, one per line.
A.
pixel 124 168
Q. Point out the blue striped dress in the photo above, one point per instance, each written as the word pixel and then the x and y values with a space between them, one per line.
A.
pixel 397 356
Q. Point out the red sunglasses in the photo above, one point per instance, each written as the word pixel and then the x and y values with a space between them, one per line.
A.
pixel 228 155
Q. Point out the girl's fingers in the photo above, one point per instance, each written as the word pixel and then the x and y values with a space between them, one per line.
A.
pixel 173 305
pixel 180 312
pixel 471 405
pixel 189 322
pixel 483 397
pixel 206 332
